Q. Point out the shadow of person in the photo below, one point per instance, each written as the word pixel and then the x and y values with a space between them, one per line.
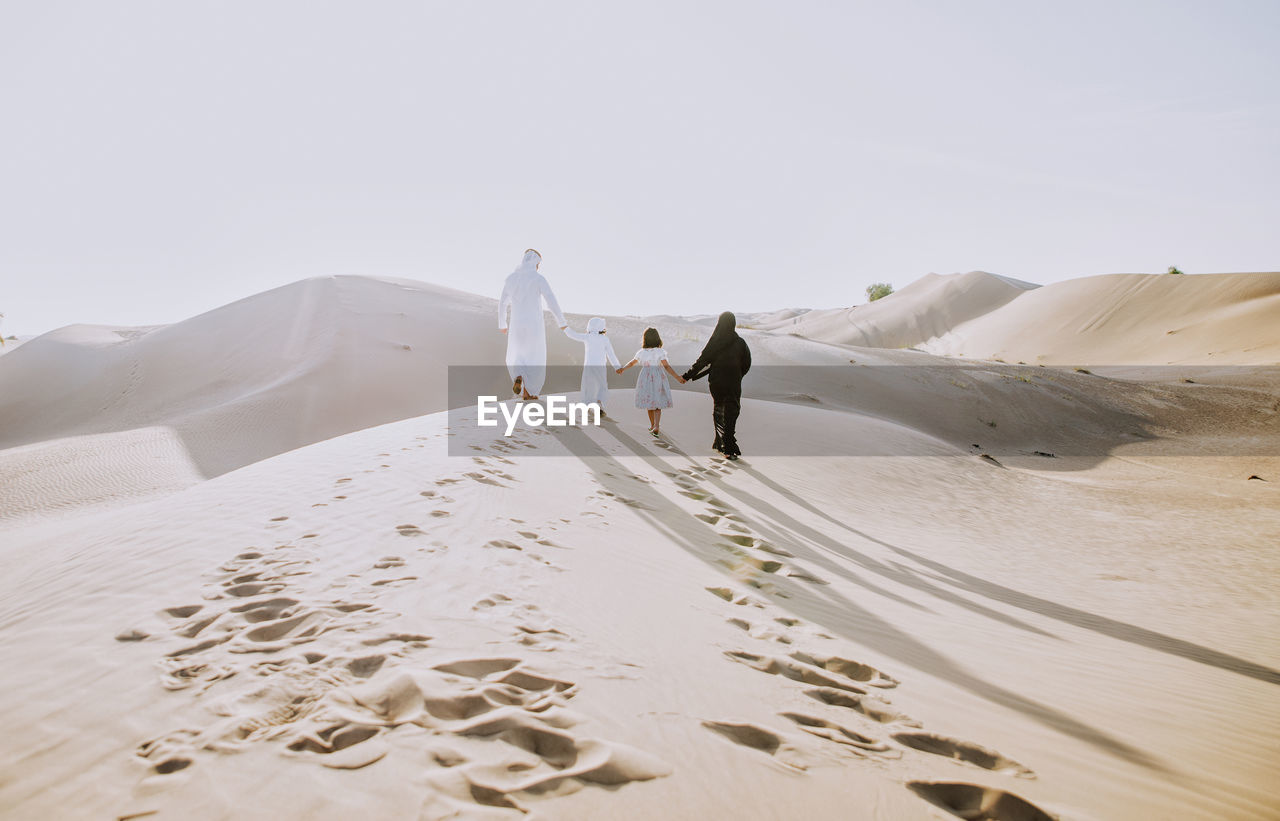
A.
pixel 942 573
pixel 1113 628
pixel 831 610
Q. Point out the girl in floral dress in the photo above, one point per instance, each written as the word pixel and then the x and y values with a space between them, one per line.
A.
pixel 653 392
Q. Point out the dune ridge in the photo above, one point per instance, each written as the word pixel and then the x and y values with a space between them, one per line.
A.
pixel 1131 319
pixel 927 308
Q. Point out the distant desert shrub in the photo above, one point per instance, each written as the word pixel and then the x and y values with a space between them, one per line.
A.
pixel 1174 270
pixel 878 290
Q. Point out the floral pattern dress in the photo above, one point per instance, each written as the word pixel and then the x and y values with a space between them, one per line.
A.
pixel 653 392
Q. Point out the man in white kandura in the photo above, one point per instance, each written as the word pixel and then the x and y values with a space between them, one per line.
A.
pixel 522 296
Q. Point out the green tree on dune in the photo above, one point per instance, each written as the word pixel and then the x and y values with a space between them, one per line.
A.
pixel 878 290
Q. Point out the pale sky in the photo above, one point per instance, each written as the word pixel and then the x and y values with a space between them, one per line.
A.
pixel 159 159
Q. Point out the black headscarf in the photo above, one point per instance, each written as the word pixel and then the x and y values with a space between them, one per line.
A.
pixel 725 332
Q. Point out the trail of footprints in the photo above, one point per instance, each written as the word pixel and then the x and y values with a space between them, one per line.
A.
pixel 834 681
pixel 497 730
pixel 745 552
pixel 318 677
pixel 856 690
pixel 830 680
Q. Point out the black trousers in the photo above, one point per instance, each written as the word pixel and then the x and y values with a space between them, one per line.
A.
pixel 725 415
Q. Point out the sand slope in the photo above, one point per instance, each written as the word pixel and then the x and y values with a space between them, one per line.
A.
pixel 1129 319
pixel 928 307
pixel 271 372
pixel 591 624
pixel 932 585
pixel 95 413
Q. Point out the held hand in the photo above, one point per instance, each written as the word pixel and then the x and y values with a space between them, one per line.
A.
pixel 504 330
pixel 620 370
pixel 562 327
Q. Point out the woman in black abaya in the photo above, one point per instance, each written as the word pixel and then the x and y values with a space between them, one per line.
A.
pixel 726 359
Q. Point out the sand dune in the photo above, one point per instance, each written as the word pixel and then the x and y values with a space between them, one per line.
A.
pixel 591 623
pixel 250 568
pixel 275 371
pixel 927 308
pixel 96 413
pixel 1131 319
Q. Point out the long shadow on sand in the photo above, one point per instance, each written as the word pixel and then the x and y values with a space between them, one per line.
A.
pixel 831 610
pixel 1112 628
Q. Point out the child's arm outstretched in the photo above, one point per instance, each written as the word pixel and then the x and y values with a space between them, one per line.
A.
pixel 628 365
pixel 678 377
pixel 572 334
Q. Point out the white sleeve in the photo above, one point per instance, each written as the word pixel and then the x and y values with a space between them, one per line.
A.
pixel 552 304
pixel 572 334
pixel 608 351
pixel 504 305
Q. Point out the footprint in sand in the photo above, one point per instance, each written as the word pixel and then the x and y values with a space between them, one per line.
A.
pixel 743 538
pixel 803 576
pixel 962 751
pixel 409 530
pixel 336 701
pixel 387 582
pixel 761 632
pixel 500 474
pixel 536 539
pixel 243 590
pixel 972 801
pixel 739 561
pixel 366 666
pixel 862 673
pixel 838 733
pixel 167 753
pixel 735 598
pixel 798 668
pixel 483 699
pixel 492 600
pixel 755 737
pixel 484 480
pixel 865 705
pixel 265 609
pixel 541 636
